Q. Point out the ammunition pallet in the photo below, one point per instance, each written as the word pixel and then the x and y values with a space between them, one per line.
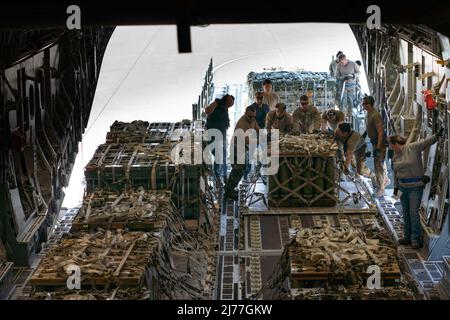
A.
pixel 304 182
pixel 111 294
pixel 144 132
pixel 129 225
pixel 101 265
pixel 389 275
pixel 290 85
pixel 136 210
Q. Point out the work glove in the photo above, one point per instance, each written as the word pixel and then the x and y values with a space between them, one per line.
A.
pixel 440 133
pixel 375 152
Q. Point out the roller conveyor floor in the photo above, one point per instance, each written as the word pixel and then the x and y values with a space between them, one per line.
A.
pixel 248 267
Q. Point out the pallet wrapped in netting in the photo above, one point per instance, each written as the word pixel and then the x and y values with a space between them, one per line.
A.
pixel 132 209
pixel 144 132
pixel 116 167
pixel 341 255
pixel 115 294
pixel 307 174
pixel 119 166
pixel 105 258
pixel 290 85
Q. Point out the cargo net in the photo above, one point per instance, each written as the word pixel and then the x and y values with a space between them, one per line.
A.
pixel 131 209
pixel 145 132
pixel 120 166
pixel 134 264
pixel 117 166
pixel 309 174
pixel 332 264
pixel 164 260
pixel 290 85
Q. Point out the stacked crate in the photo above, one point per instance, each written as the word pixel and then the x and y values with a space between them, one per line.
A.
pixel 125 132
pixel 290 85
pixel 127 162
pixel 116 237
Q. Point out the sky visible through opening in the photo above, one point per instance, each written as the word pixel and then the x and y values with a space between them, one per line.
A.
pixel 143 77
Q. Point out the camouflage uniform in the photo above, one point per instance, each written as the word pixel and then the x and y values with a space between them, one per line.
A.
pixel 340 117
pixel 306 122
pixel 284 124
pixel 237 170
pixel 372 120
pixel 356 144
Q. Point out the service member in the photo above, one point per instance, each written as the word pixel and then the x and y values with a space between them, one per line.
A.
pixel 218 118
pixel 409 178
pixel 279 119
pixel 354 146
pixel 331 118
pixel 347 72
pixel 270 97
pixel 262 110
pixel 333 64
pixel 246 122
pixel 306 117
pixel 378 139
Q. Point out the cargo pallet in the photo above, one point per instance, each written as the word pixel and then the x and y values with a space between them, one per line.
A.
pixel 320 87
pixel 121 272
pixel 117 167
pixel 144 132
pixel 390 275
pixel 304 181
pixel 110 210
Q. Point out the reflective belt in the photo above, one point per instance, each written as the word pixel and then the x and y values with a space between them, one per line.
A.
pixel 409 180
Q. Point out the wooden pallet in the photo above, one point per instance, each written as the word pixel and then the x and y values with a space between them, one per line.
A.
pixel 125 266
pixel 130 225
pixel 110 294
pixel 392 271
pixel 113 210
